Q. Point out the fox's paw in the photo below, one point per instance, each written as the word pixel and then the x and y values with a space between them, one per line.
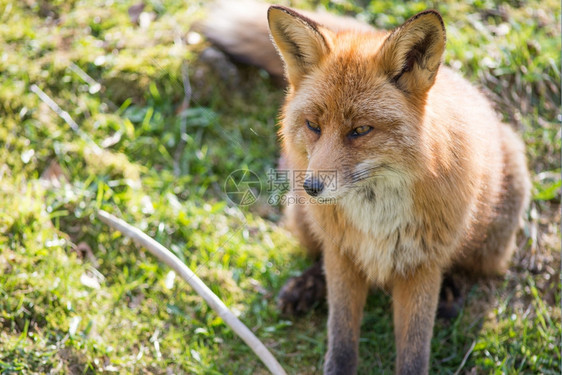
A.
pixel 451 298
pixel 301 293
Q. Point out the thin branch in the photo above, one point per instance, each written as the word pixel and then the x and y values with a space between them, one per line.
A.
pixel 183 120
pixel 93 85
pixel 186 84
pixel 465 358
pixel 214 302
pixel 65 116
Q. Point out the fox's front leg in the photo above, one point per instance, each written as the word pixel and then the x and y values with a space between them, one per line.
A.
pixel 415 302
pixel 347 291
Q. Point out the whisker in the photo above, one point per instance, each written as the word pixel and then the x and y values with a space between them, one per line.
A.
pixel 352 179
pixel 356 176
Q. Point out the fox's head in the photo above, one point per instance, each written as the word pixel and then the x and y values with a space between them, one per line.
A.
pixel 356 101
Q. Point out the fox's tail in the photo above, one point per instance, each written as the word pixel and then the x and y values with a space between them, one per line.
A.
pixel 240 29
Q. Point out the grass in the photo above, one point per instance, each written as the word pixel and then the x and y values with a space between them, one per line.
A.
pixel 76 297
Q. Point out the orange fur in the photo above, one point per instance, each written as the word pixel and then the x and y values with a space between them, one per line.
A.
pixel 438 182
pixel 444 181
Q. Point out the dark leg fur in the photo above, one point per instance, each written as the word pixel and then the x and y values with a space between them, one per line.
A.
pixel 347 292
pixel 415 300
pixel 451 298
pixel 302 293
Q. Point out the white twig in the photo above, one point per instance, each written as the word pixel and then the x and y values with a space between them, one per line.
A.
pixel 94 86
pixel 64 115
pixel 183 120
pixel 465 357
pixel 181 269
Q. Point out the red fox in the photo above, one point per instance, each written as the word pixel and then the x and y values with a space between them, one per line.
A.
pixel 427 177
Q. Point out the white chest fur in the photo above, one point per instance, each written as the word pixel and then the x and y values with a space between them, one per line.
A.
pixel 384 240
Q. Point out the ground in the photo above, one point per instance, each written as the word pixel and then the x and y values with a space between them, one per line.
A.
pixel 77 297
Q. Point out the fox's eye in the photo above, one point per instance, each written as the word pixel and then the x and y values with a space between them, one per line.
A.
pixel 361 130
pixel 312 126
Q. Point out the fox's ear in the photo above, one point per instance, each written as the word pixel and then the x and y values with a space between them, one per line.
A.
pixel 301 42
pixel 411 54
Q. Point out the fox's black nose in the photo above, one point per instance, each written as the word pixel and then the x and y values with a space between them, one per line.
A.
pixel 313 186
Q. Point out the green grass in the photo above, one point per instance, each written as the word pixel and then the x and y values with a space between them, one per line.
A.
pixel 76 297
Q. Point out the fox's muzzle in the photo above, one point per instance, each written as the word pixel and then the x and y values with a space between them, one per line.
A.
pixel 313 186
